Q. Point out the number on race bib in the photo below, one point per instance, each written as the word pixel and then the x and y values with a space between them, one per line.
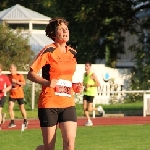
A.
pixel 63 88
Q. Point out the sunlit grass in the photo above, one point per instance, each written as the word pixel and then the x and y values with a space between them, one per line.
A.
pixel 124 137
pixel 130 108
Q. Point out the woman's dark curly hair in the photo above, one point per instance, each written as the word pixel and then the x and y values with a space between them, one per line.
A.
pixel 52 26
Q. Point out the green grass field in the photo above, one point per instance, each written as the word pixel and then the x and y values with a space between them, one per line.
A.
pixel 129 109
pixel 124 137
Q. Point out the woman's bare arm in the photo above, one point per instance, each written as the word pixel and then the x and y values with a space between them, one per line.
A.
pixel 32 76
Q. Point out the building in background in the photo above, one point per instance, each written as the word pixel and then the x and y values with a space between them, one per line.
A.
pixel 30 21
pixel 126 60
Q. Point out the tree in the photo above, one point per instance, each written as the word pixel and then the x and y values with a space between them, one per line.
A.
pixel 45 7
pixel 91 20
pixel 141 71
pixel 101 20
pixel 14 48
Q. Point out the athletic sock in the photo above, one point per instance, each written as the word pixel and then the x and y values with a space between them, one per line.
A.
pixel 12 121
pixel 25 120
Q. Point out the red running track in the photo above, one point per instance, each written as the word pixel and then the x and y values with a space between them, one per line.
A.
pixel 98 121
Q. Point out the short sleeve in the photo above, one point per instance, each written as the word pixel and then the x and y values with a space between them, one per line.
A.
pixel 22 79
pixel 39 62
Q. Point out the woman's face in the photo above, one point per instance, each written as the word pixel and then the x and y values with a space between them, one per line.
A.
pixel 62 33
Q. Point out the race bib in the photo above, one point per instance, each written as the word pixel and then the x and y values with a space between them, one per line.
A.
pixel 63 88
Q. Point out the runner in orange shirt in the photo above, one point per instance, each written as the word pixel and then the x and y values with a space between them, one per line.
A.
pixel 56 102
pixel 16 94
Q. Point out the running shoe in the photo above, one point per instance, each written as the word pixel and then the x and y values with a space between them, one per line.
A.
pixel 11 125
pixel 25 125
pixel 101 111
pixel 89 123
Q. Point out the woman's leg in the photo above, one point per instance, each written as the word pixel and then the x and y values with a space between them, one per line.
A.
pixel 68 130
pixel 48 122
pixel 40 147
pixel 49 137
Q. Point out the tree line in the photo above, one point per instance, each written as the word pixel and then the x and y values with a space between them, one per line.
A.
pixel 96 26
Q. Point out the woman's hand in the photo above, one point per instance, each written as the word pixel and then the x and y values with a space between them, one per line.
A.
pixel 14 80
pixel 77 87
pixel 53 83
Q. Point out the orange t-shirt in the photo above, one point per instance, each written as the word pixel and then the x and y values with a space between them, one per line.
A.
pixel 16 90
pixel 56 65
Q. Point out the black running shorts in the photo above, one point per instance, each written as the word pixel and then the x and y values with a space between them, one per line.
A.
pixel 52 116
pixel 19 100
pixel 89 99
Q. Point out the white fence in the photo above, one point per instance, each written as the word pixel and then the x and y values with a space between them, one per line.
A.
pixel 121 78
pixel 146 99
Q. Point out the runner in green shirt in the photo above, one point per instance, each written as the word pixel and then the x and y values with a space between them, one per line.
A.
pixel 90 83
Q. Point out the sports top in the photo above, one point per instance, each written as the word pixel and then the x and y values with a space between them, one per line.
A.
pixel 60 66
pixel 90 91
pixel 16 90
pixel 4 82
